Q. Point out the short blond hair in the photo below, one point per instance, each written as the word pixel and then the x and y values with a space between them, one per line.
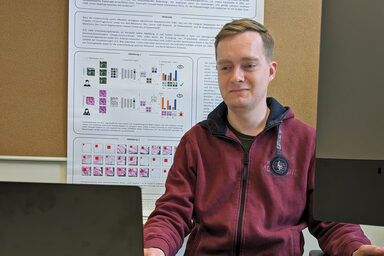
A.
pixel 238 26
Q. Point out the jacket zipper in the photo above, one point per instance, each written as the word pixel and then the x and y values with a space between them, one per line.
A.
pixel 243 189
pixel 244 186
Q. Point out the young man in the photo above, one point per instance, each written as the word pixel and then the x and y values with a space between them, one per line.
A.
pixel 242 180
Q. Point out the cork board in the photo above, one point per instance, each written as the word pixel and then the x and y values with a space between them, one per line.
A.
pixel 33 90
pixel 295 26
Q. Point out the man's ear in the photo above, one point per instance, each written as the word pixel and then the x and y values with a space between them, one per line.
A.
pixel 272 70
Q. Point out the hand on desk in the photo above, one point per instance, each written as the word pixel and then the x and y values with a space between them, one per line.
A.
pixel 153 252
pixel 369 250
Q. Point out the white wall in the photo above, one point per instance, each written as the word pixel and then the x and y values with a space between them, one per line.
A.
pixel 54 170
pixel 50 170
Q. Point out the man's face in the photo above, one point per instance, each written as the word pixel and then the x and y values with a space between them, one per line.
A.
pixel 243 71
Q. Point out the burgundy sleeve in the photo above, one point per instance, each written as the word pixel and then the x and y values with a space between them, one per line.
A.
pixel 170 222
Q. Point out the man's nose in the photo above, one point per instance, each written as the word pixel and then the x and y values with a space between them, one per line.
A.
pixel 238 74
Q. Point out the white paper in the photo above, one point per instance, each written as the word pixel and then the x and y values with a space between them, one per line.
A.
pixel 140 74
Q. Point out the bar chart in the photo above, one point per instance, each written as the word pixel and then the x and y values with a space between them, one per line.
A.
pixel 170 79
pixel 166 104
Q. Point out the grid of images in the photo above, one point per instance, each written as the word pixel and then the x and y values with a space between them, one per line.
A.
pixel 126 160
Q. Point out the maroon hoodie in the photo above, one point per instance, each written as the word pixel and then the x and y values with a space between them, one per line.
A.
pixel 234 202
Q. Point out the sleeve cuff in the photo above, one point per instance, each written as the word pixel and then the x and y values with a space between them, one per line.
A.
pixel 157 242
pixel 351 247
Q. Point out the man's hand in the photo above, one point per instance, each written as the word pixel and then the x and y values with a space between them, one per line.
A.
pixel 153 252
pixel 368 250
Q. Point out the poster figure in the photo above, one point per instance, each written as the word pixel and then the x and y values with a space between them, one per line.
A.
pixel 87 84
pixel 86 112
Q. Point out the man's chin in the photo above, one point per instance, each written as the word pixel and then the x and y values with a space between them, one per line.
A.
pixel 239 106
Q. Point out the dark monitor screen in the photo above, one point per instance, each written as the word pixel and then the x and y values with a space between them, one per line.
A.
pixel 70 219
pixel 349 178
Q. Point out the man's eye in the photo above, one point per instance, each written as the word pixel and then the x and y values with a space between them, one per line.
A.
pixel 225 68
pixel 250 66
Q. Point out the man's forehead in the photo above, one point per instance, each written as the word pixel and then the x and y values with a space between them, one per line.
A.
pixel 243 41
pixel 246 35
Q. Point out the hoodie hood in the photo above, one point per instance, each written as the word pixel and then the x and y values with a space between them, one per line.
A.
pixel 216 119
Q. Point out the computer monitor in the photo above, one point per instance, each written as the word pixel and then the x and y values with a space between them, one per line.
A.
pixel 349 177
pixel 70 219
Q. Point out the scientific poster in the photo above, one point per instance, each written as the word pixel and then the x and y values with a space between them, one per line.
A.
pixel 140 74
